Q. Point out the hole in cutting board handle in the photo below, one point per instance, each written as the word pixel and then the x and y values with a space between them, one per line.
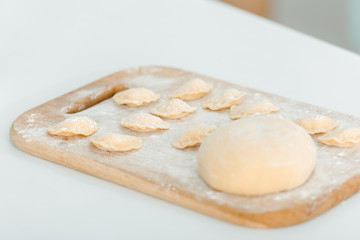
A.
pixel 94 99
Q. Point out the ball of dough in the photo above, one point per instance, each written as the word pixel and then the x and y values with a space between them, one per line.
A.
pixel 257 155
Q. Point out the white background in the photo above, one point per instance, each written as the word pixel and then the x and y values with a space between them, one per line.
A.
pixel 48 48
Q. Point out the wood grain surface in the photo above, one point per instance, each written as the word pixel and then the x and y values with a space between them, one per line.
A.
pixel 29 134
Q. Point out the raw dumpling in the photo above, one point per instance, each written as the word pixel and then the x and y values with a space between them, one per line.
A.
pixel 144 122
pixel 347 137
pixel 192 89
pixel 255 108
pixel 77 125
pixel 117 142
pixel 317 124
pixel 175 108
pixel 194 136
pixel 230 97
pixel 135 97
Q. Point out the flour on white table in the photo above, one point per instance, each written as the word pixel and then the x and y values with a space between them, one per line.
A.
pixel 174 169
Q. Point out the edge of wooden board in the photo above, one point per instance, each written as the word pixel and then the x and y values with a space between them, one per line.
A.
pixel 282 218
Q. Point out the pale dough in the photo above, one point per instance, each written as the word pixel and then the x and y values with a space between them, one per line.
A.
pixel 117 142
pixel 257 155
pixel 135 97
pixel 192 90
pixel 144 122
pixel 346 137
pixel 77 125
pixel 194 136
pixel 317 124
pixel 225 100
pixel 173 109
pixel 260 107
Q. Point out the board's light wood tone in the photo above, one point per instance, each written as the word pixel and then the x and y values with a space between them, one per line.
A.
pixel 99 90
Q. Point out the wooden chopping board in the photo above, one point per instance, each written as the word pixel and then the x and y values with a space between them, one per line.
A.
pixel 170 174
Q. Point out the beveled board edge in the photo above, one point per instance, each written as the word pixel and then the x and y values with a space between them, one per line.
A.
pixel 286 217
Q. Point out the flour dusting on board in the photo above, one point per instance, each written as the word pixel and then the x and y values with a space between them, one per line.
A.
pixel 174 169
pixel 32 131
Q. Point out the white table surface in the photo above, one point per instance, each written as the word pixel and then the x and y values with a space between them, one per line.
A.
pixel 48 48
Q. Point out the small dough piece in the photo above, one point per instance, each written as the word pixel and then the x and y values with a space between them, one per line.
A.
pixel 317 124
pixel 257 155
pixel 173 109
pixel 346 137
pixel 192 90
pixel 194 136
pixel 144 122
pixel 117 142
pixel 262 107
pixel 135 97
pixel 77 125
pixel 227 99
